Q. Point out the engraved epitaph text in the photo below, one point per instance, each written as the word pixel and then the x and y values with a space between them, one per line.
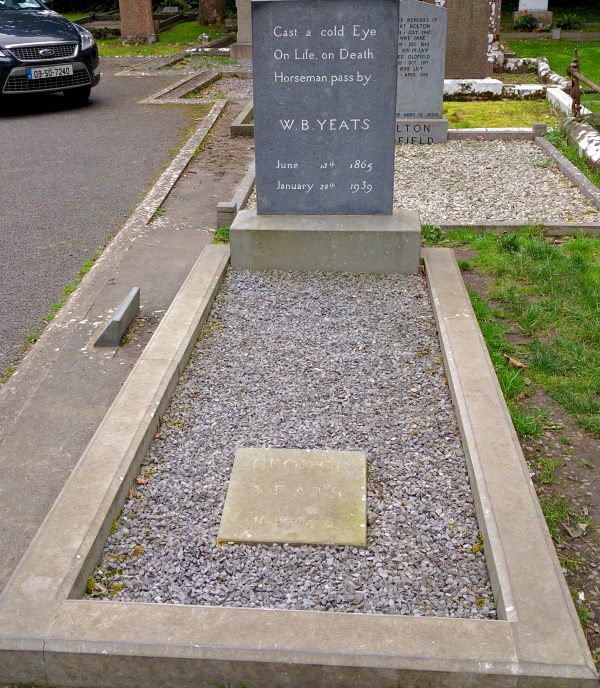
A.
pixel 325 76
pixel 421 59
pixel 296 496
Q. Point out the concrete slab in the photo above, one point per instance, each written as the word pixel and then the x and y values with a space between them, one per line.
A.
pixel 296 496
pixel 334 243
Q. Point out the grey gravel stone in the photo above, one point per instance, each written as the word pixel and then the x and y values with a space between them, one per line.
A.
pixel 319 361
pixel 488 182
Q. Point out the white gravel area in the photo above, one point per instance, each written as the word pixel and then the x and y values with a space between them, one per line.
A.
pixel 317 361
pixel 488 182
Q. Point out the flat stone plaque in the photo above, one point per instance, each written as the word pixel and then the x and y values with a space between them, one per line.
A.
pixel 421 59
pixel 296 496
pixel 325 74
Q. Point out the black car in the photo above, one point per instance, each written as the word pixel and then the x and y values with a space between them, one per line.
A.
pixel 41 52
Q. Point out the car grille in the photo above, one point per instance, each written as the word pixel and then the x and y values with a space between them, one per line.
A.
pixel 21 84
pixel 31 53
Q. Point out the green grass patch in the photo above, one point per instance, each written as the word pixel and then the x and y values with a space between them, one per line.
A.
pixel 72 16
pixel 527 422
pixel 188 32
pixel 221 236
pixel 552 292
pixel 560 56
pixel 172 41
pixel 500 113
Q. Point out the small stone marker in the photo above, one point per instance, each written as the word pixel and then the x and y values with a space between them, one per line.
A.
pixel 421 64
pixel 324 106
pixel 296 496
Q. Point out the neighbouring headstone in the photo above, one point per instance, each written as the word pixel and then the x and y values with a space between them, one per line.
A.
pixel 137 22
pixel 325 78
pixel 296 496
pixel 242 48
pixel 538 9
pixel 171 10
pixel 468 37
pixel 421 64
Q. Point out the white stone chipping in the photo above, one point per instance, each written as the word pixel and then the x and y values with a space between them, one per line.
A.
pixel 319 361
pixel 488 182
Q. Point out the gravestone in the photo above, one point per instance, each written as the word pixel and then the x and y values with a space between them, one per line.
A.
pixel 538 9
pixel 325 76
pixel 324 106
pixel 242 48
pixel 421 64
pixel 468 37
pixel 296 496
pixel 137 22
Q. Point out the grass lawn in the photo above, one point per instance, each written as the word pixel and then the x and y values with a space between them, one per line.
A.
pixel 586 14
pixel 172 41
pixel 560 56
pixel 499 113
pixel 72 16
pixel 552 294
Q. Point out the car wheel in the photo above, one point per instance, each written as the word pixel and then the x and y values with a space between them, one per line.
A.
pixel 77 96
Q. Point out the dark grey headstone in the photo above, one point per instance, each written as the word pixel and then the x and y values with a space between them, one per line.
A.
pixel 421 59
pixel 324 105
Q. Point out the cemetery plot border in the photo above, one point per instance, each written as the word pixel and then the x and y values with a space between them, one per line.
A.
pixel 51 637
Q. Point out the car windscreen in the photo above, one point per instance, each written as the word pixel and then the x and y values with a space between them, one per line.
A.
pixel 16 5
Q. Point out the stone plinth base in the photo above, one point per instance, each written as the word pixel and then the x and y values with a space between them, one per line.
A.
pixel 329 243
pixel 421 130
pixel 543 18
pixel 240 51
pixel 141 39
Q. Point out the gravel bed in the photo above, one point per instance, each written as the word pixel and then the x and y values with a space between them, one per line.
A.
pixel 229 87
pixel 491 181
pixel 318 361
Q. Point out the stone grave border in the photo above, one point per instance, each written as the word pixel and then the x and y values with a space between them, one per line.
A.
pixel 49 636
pixel 192 82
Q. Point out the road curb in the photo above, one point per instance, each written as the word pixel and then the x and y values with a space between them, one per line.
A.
pixel 43 355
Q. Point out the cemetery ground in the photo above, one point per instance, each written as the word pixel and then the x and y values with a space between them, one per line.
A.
pixel 536 301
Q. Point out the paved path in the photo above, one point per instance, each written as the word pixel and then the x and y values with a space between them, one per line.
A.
pixel 68 179
pixel 52 405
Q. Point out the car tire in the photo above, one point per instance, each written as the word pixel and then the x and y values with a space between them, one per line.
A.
pixel 77 97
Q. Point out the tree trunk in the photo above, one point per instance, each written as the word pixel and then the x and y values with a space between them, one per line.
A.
pixel 211 11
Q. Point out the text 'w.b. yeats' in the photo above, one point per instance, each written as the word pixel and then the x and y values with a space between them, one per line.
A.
pixel 324 105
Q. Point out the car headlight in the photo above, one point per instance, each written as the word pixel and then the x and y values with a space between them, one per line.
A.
pixel 87 40
pixel 3 54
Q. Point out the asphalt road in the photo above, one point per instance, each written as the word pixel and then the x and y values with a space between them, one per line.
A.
pixel 68 179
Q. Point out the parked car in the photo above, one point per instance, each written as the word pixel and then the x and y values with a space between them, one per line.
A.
pixel 42 52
